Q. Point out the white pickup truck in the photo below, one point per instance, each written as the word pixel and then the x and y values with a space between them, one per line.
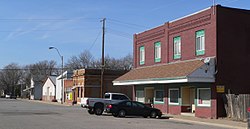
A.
pixel 98 105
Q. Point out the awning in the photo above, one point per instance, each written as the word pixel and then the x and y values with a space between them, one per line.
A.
pixel 178 72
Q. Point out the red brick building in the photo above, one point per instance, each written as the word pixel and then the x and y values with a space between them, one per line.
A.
pixel 86 83
pixel 68 93
pixel 185 66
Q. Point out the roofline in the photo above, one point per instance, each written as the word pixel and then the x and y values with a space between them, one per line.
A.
pixel 164 81
pixel 190 14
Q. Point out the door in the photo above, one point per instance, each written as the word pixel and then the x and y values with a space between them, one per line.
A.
pixel 149 95
pixel 48 97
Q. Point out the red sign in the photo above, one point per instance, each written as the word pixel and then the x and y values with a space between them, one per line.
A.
pixel 248 109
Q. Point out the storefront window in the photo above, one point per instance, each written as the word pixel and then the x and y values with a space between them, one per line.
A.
pixel 159 95
pixel 204 96
pixel 140 96
pixel 174 96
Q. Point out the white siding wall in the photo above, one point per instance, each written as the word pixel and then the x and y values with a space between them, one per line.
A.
pixel 51 86
pixel 58 89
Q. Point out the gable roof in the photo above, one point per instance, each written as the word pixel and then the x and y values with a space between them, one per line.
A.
pixel 53 79
pixel 167 73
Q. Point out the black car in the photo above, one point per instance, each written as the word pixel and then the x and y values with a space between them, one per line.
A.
pixel 133 108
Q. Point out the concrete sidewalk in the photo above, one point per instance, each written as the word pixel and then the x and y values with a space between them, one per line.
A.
pixel 221 122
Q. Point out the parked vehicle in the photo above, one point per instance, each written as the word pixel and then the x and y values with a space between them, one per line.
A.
pixel 133 108
pixel 98 105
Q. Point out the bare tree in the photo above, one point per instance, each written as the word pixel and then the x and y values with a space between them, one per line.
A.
pixel 39 71
pixel 9 77
pixel 84 60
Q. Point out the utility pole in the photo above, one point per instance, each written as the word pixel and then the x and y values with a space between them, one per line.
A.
pixel 103 63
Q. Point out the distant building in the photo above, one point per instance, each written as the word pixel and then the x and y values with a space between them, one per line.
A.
pixel 87 83
pixel 49 89
pixel 36 89
pixel 66 75
pixel 185 66
pixel 68 86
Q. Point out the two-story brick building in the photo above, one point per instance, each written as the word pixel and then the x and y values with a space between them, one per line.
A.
pixel 87 83
pixel 185 65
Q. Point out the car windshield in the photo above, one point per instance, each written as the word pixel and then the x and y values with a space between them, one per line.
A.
pixel 107 96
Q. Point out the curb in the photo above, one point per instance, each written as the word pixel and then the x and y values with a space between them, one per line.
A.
pixel 208 123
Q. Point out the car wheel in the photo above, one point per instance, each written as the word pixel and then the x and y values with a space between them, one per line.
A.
pixel 91 111
pixel 114 114
pixel 98 111
pixel 122 113
pixel 145 116
pixel 153 114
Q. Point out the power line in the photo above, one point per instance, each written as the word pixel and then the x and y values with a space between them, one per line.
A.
pixel 94 41
pixel 40 19
pixel 34 30
pixel 128 24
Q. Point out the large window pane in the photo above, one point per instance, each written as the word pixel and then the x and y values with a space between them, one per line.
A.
pixel 204 97
pixel 174 96
pixel 140 96
pixel 159 95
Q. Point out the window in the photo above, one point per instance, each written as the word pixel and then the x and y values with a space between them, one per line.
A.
pixel 158 52
pixel 106 96
pixel 200 42
pixel 159 96
pixel 174 96
pixel 119 97
pixel 137 105
pixel 140 96
pixel 142 55
pixel 204 97
pixel 177 47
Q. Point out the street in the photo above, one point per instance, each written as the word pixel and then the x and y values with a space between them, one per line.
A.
pixel 24 114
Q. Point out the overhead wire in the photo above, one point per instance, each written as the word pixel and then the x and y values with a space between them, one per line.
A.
pixel 95 41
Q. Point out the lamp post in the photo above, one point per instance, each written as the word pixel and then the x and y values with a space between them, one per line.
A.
pixel 62 94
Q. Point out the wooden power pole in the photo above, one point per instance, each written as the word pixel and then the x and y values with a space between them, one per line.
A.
pixel 103 63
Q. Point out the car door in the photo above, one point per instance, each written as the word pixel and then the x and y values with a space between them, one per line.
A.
pixel 138 109
pixel 127 106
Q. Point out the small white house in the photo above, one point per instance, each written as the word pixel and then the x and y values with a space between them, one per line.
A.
pixel 59 85
pixel 49 89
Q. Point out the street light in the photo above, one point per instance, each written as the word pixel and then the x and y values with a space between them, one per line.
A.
pixel 62 94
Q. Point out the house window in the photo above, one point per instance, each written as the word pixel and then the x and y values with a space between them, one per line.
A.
pixel 159 96
pixel 177 47
pixel 142 55
pixel 204 97
pixel 140 96
pixel 158 52
pixel 200 42
pixel 174 96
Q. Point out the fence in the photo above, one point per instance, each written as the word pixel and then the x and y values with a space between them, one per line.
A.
pixel 236 106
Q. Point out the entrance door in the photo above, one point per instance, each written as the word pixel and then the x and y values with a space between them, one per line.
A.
pixel 149 95
pixel 188 96
pixel 48 97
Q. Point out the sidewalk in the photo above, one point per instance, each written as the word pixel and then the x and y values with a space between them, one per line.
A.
pixel 214 122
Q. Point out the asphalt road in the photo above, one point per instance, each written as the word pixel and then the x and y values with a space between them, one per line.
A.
pixel 23 114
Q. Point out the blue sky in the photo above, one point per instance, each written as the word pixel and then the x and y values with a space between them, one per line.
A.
pixel 29 27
